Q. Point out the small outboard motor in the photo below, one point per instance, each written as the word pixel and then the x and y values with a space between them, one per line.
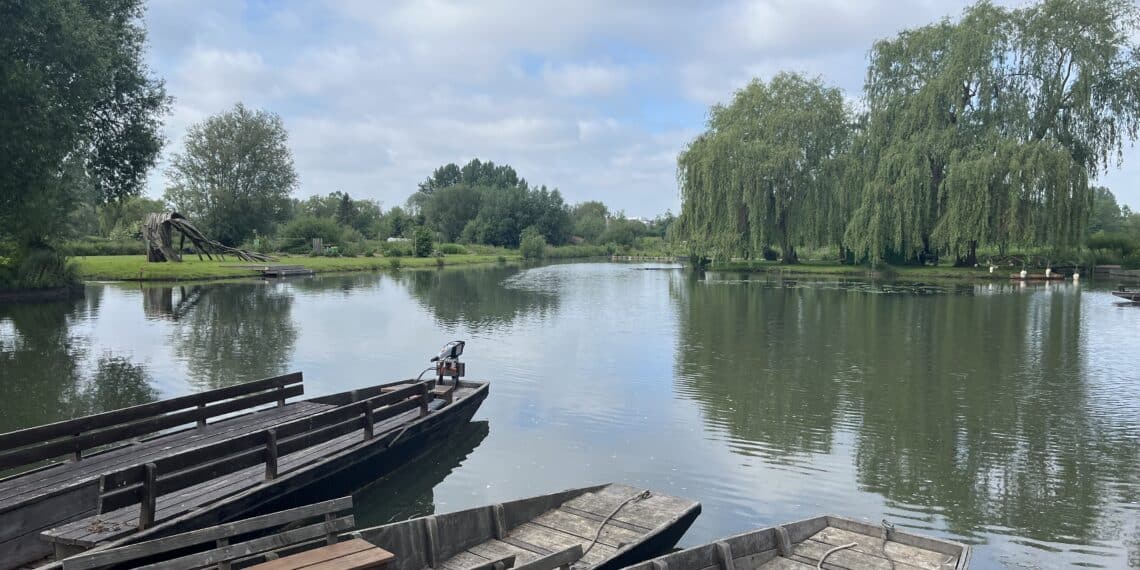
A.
pixel 447 361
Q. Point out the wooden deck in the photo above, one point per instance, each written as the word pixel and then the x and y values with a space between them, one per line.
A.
pixel 349 555
pixel 90 531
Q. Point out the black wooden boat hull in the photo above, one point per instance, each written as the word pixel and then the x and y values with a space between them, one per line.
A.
pixel 373 459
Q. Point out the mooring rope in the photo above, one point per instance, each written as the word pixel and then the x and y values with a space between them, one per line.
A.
pixel 634 499
pixel 832 551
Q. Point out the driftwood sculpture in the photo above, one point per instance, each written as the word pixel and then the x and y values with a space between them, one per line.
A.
pixel 158 231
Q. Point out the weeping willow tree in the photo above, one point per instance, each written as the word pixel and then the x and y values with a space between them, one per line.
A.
pixel 767 170
pixel 988 130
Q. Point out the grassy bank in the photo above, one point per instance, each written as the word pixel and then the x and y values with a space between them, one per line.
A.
pixel 135 268
pixel 863 271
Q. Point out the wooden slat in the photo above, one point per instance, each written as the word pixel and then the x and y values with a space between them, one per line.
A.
pixel 119 433
pixel 366 560
pixel 317 555
pixel 874 546
pixel 254 546
pixel 87 423
pixel 810 551
pixel 178 541
pixel 497 549
pixel 284 431
pixel 553 541
pixel 467 560
pixel 583 528
pixel 550 562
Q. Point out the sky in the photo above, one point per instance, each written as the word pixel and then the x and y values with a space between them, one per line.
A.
pixel 595 98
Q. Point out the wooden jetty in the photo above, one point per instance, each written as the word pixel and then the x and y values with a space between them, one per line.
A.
pixel 277 270
pixel 605 527
pixel 821 542
pixel 117 489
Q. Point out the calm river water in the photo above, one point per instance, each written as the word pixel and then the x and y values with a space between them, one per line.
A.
pixel 1004 416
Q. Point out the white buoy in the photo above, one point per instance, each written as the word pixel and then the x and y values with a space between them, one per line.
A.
pixel 1076 276
pixel 1048 272
pixel 1024 274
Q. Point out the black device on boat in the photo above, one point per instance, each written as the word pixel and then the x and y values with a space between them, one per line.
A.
pixel 447 361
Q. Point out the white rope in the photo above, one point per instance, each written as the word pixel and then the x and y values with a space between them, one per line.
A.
pixel 636 498
pixel 834 550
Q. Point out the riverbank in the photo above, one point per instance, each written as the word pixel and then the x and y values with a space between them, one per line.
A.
pixel 136 268
pixel 865 272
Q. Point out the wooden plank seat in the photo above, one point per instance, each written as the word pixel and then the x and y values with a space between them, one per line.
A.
pixel 445 392
pixel 138 497
pixel 233 542
pixel 355 554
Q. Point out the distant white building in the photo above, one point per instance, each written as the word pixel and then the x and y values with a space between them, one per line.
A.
pixel 397 240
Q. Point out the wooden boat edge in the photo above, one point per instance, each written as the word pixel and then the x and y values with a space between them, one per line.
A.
pixel 170 526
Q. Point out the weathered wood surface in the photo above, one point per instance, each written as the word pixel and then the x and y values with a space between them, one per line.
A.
pixel 223 532
pixel 540 533
pixel 123 521
pixel 802 544
pixel 27 446
pixel 231 496
pixel 348 555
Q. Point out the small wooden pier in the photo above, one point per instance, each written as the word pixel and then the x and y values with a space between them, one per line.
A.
pixel 276 271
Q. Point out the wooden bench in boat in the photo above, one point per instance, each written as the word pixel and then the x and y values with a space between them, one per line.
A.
pixel 138 497
pixel 39 498
pixel 352 554
pixel 232 544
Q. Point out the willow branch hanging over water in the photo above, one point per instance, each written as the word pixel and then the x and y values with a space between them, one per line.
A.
pixel 985 131
pixel 767 171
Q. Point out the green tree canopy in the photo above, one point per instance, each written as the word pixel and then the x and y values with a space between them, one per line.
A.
pixel 235 175
pixel 987 130
pixel 767 170
pixel 81 110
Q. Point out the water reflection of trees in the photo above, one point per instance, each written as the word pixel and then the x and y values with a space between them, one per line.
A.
pixel 236 333
pixel 409 492
pixel 973 407
pixel 44 371
pixel 475 296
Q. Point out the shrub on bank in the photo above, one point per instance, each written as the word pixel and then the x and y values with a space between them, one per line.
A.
pixel 531 243
pixel 38 269
pixel 102 246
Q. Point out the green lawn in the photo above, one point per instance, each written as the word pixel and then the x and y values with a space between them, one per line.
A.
pixel 135 267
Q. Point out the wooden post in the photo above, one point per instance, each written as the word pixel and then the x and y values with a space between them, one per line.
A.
pixel 281 394
pixel 270 454
pixel 202 420
pixel 424 399
pixel 150 496
pixel 222 543
pixel 330 538
pixel 369 422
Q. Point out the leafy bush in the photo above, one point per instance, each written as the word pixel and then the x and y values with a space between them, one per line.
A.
pixel 501 259
pixel 452 249
pixel 422 242
pixel 44 268
pixel 397 249
pixel 394 263
pixel 1131 261
pixel 297 235
pixel 531 243
pixel 1112 242
pixel 769 254
pixel 439 262
pixel 576 251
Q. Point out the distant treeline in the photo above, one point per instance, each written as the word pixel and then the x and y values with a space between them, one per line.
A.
pixel 984 132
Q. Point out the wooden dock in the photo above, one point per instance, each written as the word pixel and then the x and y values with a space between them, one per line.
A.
pixel 277 270
pixel 212 471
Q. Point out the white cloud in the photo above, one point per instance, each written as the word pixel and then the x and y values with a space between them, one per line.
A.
pixel 588 79
pixel 591 97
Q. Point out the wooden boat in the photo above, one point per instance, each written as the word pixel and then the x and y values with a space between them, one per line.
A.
pixel 210 472
pixel 821 542
pixel 1127 295
pixel 601 528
